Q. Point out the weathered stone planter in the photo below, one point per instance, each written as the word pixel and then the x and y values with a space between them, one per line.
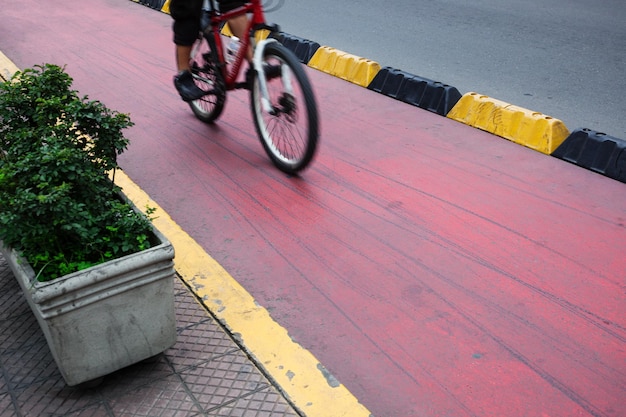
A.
pixel 107 317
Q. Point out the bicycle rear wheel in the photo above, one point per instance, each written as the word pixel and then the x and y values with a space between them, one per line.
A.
pixel 289 131
pixel 207 77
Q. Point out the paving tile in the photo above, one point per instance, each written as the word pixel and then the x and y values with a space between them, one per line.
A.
pixel 265 403
pixel 94 410
pixel 7 409
pixel 199 343
pixel 52 397
pixel 167 397
pixel 12 303
pixel 19 331
pixel 188 309
pixel 223 380
pixel 31 364
pixel 134 377
pixel 204 374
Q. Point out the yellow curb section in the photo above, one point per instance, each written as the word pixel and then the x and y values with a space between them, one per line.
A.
pixel 226 31
pixel 166 7
pixel 531 129
pixel 297 372
pixel 259 35
pixel 7 68
pixel 348 67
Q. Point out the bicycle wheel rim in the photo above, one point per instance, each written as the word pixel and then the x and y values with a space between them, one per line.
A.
pixel 206 77
pixel 289 137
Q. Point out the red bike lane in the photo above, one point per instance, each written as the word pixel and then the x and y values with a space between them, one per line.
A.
pixel 434 269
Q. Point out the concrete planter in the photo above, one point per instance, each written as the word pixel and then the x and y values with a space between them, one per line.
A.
pixel 107 317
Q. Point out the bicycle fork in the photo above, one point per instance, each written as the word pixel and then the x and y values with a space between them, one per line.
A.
pixel 258 67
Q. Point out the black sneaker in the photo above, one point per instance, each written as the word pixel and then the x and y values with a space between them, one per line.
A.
pixel 185 86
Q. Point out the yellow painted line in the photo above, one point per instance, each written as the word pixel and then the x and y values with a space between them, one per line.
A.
pixel 7 68
pixel 346 66
pixel 299 374
pixel 526 127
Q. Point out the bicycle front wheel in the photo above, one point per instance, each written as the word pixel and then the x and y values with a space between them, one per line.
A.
pixel 289 128
pixel 207 76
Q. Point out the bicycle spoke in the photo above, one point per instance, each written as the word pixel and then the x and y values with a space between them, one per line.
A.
pixel 289 129
pixel 205 75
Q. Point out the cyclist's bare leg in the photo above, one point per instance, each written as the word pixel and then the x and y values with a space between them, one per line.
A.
pixel 182 57
pixel 238 26
pixel 183 81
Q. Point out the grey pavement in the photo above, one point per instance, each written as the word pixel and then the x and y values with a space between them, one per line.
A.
pixel 204 374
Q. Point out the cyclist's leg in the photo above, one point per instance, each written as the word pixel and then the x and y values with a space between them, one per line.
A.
pixel 238 25
pixel 182 57
pixel 186 15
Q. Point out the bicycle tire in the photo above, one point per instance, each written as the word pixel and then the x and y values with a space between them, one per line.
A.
pixel 290 136
pixel 209 78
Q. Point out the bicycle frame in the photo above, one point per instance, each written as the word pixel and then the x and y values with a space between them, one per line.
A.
pixel 256 22
pixel 281 97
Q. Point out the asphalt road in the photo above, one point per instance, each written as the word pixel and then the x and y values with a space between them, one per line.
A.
pixel 564 58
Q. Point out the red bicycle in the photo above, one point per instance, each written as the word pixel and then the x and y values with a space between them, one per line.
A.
pixel 281 98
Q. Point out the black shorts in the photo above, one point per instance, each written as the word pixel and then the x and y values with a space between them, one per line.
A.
pixel 186 15
pixel 228 5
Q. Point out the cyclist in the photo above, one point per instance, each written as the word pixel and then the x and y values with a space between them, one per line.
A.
pixel 186 15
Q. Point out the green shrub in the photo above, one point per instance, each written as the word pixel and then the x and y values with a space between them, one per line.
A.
pixel 58 207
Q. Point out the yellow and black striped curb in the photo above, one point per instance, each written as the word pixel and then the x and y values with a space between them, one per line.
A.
pixel 584 147
pixel 587 148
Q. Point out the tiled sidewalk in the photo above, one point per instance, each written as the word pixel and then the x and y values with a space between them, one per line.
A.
pixel 204 374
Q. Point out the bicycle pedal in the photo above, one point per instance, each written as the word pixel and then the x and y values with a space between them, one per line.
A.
pixel 242 86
